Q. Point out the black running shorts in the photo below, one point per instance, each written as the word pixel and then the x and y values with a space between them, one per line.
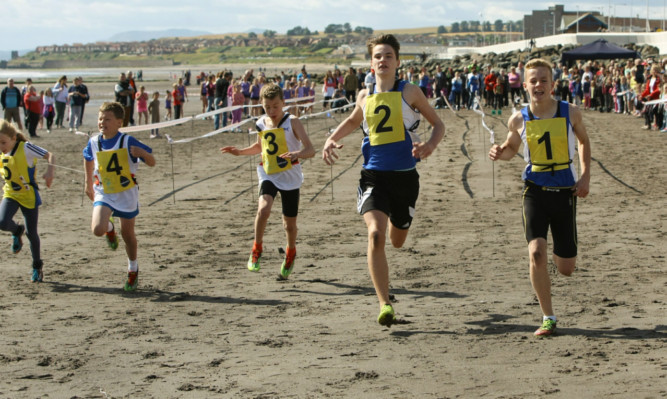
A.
pixel 392 192
pixel 290 198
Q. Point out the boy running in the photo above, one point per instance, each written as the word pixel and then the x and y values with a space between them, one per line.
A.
pixel 282 141
pixel 548 128
pixel 111 160
pixel 389 184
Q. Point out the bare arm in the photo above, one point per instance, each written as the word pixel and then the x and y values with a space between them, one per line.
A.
pixel 255 148
pixel 415 97
pixel 50 170
pixel 510 147
pixel 346 127
pixel 89 166
pixel 307 150
pixel 581 188
pixel 139 152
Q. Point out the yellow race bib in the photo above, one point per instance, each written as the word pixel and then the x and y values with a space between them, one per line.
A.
pixel 274 144
pixel 384 117
pixel 115 174
pixel 547 143
pixel 16 175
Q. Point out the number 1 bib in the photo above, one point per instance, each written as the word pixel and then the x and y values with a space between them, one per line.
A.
pixel 384 118
pixel 115 174
pixel 274 144
pixel 547 143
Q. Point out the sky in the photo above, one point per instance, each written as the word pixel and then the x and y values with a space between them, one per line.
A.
pixel 27 24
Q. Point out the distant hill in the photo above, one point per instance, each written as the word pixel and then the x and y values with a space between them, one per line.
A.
pixel 141 35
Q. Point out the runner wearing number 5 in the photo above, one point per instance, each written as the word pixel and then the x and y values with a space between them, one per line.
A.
pixel 282 141
pixel 389 110
pixel 549 131
pixel 111 159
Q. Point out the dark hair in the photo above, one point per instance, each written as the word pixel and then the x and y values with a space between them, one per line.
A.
pixel 116 108
pixel 383 39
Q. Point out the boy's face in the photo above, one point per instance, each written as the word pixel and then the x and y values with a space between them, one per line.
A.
pixel 108 124
pixel 273 107
pixel 538 83
pixel 384 61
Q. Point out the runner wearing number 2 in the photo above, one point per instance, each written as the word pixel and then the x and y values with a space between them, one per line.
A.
pixel 111 160
pixel 549 131
pixel 282 141
pixel 389 109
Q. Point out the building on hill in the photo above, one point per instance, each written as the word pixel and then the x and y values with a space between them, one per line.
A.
pixel 556 20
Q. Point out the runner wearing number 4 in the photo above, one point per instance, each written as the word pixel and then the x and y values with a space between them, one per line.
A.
pixel 389 184
pixel 111 160
pixel 282 141
pixel 548 128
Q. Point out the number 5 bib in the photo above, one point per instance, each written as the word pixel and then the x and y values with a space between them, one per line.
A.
pixel 547 143
pixel 115 174
pixel 384 118
pixel 274 144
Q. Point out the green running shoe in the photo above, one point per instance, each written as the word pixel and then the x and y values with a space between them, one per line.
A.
pixel 253 261
pixel 548 328
pixel 37 275
pixel 287 266
pixel 386 317
pixel 112 238
pixel 132 281
pixel 17 240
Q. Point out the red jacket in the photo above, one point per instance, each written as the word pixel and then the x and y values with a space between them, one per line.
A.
pixel 490 81
pixel 652 94
pixel 32 105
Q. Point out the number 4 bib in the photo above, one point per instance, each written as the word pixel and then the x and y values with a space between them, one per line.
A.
pixel 547 143
pixel 274 144
pixel 115 174
pixel 384 118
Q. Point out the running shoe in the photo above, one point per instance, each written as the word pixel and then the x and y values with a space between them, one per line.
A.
pixel 287 266
pixel 253 261
pixel 112 238
pixel 386 317
pixel 548 328
pixel 17 240
pixel 132 281
pixel 37 274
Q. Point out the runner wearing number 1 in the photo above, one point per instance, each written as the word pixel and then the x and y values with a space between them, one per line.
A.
pixel 282 141
pixel 389 110
pixel 549 131
pixel 111 160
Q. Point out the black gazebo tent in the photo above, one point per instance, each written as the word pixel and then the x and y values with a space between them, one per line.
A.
pixel 598 50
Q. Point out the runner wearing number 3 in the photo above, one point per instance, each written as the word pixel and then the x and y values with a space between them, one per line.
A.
pixel 389 110
pixel 111 160
pixel 282 141
pixel 549 131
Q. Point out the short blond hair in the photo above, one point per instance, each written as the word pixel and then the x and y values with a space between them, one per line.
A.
pixel 539 63
pixel 271 91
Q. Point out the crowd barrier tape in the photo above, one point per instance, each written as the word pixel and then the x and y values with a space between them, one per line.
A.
pixel 658 101
pixel 477 107
pixel 140 128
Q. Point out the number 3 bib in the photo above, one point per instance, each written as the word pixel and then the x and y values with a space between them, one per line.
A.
pixel 547 143
pixel 384 118
pixel 274 144
pixel 115 174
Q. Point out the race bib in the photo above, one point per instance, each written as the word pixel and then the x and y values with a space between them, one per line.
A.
pixel 274 144
pixel 384 117
pixel 547 143
pixel 115 174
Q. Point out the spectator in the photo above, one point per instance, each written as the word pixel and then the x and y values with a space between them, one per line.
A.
pixel 350 85
pixel 60 93
pixel 12 100
pixel 32 104
pixel 124 93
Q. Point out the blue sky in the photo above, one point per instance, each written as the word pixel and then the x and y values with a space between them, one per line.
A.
pixel 30 23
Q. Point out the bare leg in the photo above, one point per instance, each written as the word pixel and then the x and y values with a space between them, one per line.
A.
pixel 376 221
pixel 100 221
pixel 539 274
pixel 289 223
pixel 261 219
pixel 129 237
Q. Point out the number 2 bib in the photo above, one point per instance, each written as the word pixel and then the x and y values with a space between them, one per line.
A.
pixel 274 144
pixel 115 174
pixel 547 143
pixel 384 118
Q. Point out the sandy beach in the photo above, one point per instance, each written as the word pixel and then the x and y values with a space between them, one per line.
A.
pixel 202 326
